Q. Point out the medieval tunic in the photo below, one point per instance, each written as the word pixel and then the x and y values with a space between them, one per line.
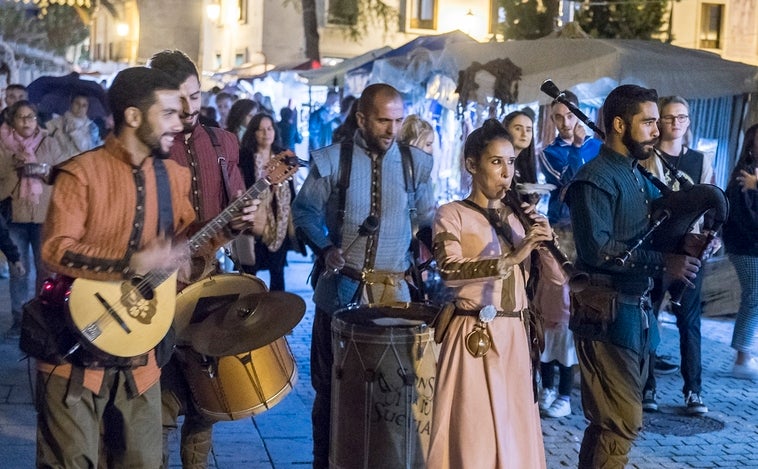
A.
pixel 98 218
pixel 484 412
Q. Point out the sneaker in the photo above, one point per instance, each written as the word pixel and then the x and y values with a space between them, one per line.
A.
pixel 547 397
pixel 561 407
pixel 649 403
pixel 694 403
pixel 748 370
pixel 664 365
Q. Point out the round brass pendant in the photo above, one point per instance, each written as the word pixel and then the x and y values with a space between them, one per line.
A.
pixel 478 342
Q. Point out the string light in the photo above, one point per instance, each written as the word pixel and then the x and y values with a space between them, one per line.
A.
pixel 44 4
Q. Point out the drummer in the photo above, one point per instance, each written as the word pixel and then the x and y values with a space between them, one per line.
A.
pixel 367 267
pixel 195 147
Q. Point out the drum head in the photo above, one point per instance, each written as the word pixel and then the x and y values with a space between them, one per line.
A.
pixel 211 295
pixel 381 316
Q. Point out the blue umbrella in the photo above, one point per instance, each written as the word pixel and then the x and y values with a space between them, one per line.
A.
pixel 53 95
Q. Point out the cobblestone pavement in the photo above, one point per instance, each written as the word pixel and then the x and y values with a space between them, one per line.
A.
pixel 281 436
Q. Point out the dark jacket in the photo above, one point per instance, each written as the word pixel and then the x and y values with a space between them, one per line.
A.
pixel 741 228
pixel 6 243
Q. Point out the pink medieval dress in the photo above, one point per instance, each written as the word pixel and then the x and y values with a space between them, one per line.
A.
pixel 485 415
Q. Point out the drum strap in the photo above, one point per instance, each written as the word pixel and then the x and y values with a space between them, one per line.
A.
pixel 346 166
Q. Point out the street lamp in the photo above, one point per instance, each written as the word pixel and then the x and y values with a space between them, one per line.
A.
pixel 122 29
pixel 213 11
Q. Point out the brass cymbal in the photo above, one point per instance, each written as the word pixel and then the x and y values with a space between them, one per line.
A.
pixel 251 322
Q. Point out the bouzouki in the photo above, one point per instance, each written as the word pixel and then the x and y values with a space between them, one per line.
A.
pixel 128 318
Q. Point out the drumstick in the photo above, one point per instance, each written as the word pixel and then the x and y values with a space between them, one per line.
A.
pixel 369 226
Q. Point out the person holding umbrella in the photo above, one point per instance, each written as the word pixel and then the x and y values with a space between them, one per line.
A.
pixel 27 154
pixel 75 132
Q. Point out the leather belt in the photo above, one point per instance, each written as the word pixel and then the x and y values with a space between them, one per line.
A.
pixel 351 273
pixel 500 314
pixel 372 276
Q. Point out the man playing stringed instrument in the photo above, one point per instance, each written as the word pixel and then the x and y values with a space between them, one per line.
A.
pixel 212 156
pixel 104 223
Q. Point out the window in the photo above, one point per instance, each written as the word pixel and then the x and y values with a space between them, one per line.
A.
pixel 711 16
pixel 242 11
pixel 497 18
pixel 240 57
pixel 343 12
pixel 424 14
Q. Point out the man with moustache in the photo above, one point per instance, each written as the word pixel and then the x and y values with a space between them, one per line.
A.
pixel 214 167
pixel 95 232
pixel 613 324
pixel 376 261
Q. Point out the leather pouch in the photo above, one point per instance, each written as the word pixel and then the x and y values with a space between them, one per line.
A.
pixel 595 305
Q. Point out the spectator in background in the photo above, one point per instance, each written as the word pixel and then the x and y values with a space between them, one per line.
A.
pixel 239 116
pixel 288 132
pixel 562 159
pixel 417 132
pixel 551 298
pixel 224 102
pixel 271 227
pixel 674 125
pixel 27 154
pixel 15 266
pixel 520 124
pixel 740 233
pixel 13 93
pixel 349 125
pixel 346 105
pixel 264 102
pixel 322 122
pixel 207 116
pixel 74 131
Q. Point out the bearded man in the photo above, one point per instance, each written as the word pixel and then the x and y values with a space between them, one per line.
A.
pixel 613 323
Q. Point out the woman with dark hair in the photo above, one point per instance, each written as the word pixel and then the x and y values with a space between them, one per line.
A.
pixel 239 116
pixel 27 154
pixel 484 412
pixel 740 233
pixel 520 125
pixel 273 219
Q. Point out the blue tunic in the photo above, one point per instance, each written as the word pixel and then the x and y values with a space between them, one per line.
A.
pixel 376 187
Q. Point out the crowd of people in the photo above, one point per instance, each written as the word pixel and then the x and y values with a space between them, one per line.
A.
pixel 178 168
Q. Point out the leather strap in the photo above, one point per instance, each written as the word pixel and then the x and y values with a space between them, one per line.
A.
pixel 346 166
pixel 221 162
pixel 75 386
pixel 165 209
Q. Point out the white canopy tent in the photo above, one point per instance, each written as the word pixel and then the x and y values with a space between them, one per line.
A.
pixel 592 67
